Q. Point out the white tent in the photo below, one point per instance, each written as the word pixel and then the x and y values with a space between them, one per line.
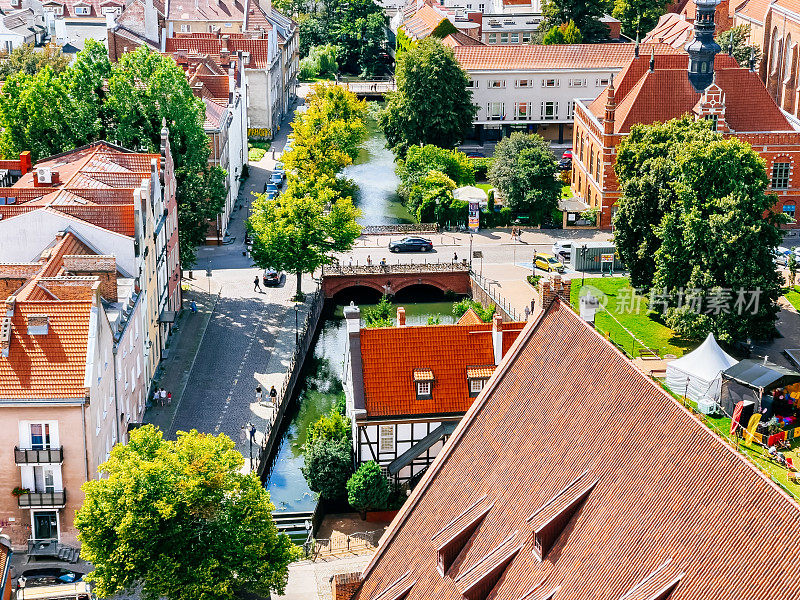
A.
pixel 697 374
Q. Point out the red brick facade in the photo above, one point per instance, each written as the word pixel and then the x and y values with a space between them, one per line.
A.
pixel 378 279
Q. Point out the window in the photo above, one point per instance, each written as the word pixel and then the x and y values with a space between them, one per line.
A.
pixel 472 84
pixel 549 111
pixel 523 111
pixel 503 38
pixel 597 170
pixel 481 7
pixel 789 209
pixel 603 82
pixel 570 109
pixel 423 388
pixel 492 38
pixel 386 441
pixel 495 111
pixel 81 10
pixel 185 28
pixel 780 175
pixel 524 83
pixel 515 38
pixel 476 385
pixel 591 161
pixel 526 38
pixel 40 436
pixel 110 10
pixel 14 2
pixel 577 83
pixel 496 83
pixel 550 83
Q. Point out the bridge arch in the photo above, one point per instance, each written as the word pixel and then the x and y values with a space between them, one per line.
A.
pixel 393 279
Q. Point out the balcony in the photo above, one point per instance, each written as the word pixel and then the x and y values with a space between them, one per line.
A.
pixel 27 456
pixel 42 500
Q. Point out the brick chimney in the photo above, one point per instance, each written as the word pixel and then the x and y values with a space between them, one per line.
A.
pixel 25 163
pixel 497 338
pixel 344 585
pixel 92 265
pixel 401 316
pixel 553 287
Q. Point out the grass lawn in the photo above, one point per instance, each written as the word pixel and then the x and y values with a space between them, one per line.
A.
pixel 644 324
pixel 257 149
pixel 565 191
pixel 793 296
pixel 484 186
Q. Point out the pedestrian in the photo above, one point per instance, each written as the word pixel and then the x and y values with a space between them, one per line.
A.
pixel 455 257
pixel 163 397
pixel 273 395
pixel 256 285
pixel 369 260
pixel 527 313
pixel 252 433
pixel 169 398
pixel 259 394
pixel 350 263
pixel 383 262
pixel 193 306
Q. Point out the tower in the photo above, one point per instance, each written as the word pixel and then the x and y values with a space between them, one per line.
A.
pixel 702 49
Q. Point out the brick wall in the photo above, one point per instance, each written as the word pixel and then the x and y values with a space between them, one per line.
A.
pixel 91 265
pixel 344 585
pixel 553 287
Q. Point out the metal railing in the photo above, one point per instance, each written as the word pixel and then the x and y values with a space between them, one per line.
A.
pixel 399 229
pixel 341 543
pixel 337 268
pixel 499 300
pixel 24 456
pixel 42 499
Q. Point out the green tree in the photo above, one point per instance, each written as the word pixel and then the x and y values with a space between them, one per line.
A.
pixel 791 265
pixel 524 171
pixel 333 427
pixel 180 520
pixel 419 161
pixel 328 466
pixel 30 60
pixel 572 35
pixel 485 314
pixel 586 15
pixel 736 37
pixel 298 230
pixel 426 198
pixel 201 197
pixel 638 16
pixel 432 104
pixel 380 315
pixel 368 489
pixel 645 168
pixel 553 36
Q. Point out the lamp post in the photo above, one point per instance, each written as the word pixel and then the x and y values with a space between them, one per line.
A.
pixel 583 265
pixel 249 431
pixel 296 332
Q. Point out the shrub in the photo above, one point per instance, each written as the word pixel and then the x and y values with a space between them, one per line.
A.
pixel 368 489
pixel 380 315
pixel 333 427
pixel 481 165
pixel 485 314
pixel 328 466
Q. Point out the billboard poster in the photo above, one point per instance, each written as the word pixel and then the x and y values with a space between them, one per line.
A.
pixel 474 216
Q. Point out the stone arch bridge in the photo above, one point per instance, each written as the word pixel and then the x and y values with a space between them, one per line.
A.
pixel 390 279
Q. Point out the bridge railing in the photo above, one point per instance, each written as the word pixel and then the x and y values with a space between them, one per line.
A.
pixel 338 268
pixel 399 229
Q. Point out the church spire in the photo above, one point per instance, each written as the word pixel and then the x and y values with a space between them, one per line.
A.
pixel 702 49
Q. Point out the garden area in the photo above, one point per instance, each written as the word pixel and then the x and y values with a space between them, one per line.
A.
pixel 256 149
pixel 792 294
pixel 627 321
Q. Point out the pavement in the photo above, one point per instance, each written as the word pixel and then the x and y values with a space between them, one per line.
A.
pixel 312 580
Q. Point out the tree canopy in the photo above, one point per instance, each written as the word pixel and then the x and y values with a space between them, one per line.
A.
pixel 586 15
pixel 736 38
pixel 368 488
pixel 27 59
pixel 638 16
pixel 181 520
pixel 125 103
pixel 432 104
pixel 524 171
pixel 327 467
pixel 692 201
pixel 566 33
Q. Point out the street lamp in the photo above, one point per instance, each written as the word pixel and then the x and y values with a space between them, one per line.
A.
pixel 583 264
pixel 296 332
pixel 249 431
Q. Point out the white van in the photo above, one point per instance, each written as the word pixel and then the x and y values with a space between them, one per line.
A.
pixel 79 590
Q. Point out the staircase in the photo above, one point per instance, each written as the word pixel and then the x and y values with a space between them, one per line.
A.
pixel 68 554
pixel 53 549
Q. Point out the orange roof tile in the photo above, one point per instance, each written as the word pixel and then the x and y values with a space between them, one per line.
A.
pixel 391 357
pixel 470 318
pixel 672 29
pixel 534 57
pixel 668 492
pixel 460 39
pixel 422 23
pixel 755 10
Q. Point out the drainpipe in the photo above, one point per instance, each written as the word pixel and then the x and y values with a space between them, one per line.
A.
pixel 116 389
pixel 85 445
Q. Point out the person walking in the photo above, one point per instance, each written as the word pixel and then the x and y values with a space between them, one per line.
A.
pixel 169 398
pixel 193 306
pixel 273 395
pixel 455 257
pixel 369 260
pixel 252 433
pixel 259 394
pixel 256 285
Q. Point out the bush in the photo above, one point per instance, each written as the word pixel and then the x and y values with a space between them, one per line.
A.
pixel 368 489
pixel 481 165
pixel 485 314
pixel 333 427
pixel 380 315
pixel 328 466
pixel 501 218
pixel 534 279
pixel 255 154
pixel 566 176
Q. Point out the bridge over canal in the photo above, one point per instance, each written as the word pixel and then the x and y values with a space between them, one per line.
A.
pixel 391 278
pixel 372 89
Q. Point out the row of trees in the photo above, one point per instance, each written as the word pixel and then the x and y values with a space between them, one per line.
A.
pixel 636 16
pixel 49 112
pixel 298 230
pixel 696 228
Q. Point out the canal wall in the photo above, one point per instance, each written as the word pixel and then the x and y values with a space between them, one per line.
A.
pixel 305 339
pixel 487 292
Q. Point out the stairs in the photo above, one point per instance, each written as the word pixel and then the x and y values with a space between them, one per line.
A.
pixel 293 524
pixel 67 553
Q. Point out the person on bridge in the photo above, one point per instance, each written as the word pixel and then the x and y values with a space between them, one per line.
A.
pixel 273 395
pixel 383 262
pixel 455 257
pixel 369 260
pixel 256 285
pixel 259 394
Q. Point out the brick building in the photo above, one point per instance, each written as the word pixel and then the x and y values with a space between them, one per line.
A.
pixel 702 83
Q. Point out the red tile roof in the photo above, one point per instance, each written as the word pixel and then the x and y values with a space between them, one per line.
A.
pixel 640 95
pixel 212 45
pixel 754 9
pixel 673 504
pixel 672 29
pixel 460 39
pixel 422 23
pixel 533 57
pixel 390 357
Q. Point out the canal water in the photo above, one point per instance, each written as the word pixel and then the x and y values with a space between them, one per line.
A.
pixel 321 385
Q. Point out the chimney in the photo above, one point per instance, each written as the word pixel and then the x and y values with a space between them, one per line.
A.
pixel 6 326
pixel 401 316
pixel 497 338
pixel 151 22
pixel 91 265
pixel 344 585
pixel 224 43
pixel 611 109
pixel 552 288
pixel 589 305
pixel 25 163
pixel 352 316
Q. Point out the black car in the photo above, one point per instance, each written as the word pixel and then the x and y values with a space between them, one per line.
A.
pixel 565 164
pixel 411 244
pixel 271 277
pixel 50 576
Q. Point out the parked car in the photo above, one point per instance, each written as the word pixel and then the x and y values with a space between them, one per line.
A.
pixel 411 244
pixel 565 164
pixel 279 168
pixel 271 277
pixel 271 187
pixel 276 177
pixel 48 576
pixel 782 256
pixel 567 154
pixel 475 154
pixel 271 195
pixel 547 262
pixel 562 249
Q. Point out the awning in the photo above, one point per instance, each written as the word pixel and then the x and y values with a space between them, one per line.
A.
pixel 761 374
pixel 423 375
pixel 167 316
pixel 573 204
pixel 421 446
pixel 480 372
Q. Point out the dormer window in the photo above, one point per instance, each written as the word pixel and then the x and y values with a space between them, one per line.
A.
pixel 38 324
pixel 423 383
pixel 477 378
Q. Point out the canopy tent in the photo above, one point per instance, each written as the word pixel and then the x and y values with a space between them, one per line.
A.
pixel 469 193
pixel 750 379
pixel 697 374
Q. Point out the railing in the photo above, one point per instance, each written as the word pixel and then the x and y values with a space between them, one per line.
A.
pixel 498 299
pixel 305 337
pixel 24 456
pixel 378 269
pixel 42 499
pixel 337 544
pixel 375 86
pixel 399 229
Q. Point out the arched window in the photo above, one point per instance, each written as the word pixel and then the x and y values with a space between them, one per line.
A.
pixel 776 48
pixel 787 69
